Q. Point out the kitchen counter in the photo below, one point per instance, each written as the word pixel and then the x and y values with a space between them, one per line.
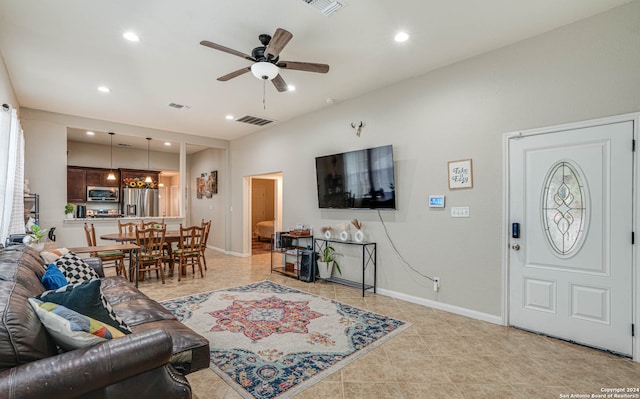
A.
pixel 113 219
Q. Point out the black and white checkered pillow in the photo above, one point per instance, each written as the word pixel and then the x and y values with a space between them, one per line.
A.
pixel 112 313
pixel 75 269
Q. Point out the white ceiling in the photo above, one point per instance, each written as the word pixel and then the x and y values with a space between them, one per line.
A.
pixel 58 52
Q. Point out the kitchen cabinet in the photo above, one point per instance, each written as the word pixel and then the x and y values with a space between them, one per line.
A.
pixel 79 177
pixel 98 177
pixel 76 184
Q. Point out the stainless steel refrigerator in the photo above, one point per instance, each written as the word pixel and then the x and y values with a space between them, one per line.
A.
pixel 140 202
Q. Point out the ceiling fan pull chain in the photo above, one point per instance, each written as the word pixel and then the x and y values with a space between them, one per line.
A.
pixel 264 94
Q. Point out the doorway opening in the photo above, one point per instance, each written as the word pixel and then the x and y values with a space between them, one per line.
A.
pixel 264 214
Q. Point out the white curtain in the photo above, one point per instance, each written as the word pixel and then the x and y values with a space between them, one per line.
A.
pixel 11 174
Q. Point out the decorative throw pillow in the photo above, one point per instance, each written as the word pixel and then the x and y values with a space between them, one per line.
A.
pixel 87 299
pixel 69 329
pixel 122 326
pixel 53 255
pixel 75 269
pixel 53 278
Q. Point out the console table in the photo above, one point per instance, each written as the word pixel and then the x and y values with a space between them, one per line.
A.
pixel 369 258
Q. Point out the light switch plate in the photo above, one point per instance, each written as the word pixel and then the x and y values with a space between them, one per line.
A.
pixel 460 212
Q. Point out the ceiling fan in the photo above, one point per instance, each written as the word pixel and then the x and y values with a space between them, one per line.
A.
pixel 266 60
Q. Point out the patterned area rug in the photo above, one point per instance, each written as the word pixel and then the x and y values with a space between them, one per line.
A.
pixel 271 341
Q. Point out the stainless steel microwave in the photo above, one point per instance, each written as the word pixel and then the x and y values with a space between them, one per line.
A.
pixel 102 194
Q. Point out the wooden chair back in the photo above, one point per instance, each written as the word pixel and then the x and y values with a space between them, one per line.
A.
pixel 190 239
pixel 152 223
pixel 151 242
pixel 90 234
pixel 128 227
pixel 205 234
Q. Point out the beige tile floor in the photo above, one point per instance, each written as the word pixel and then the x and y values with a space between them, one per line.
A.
pixel 442 355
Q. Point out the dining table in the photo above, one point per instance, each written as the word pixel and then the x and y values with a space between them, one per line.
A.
pixel 170 236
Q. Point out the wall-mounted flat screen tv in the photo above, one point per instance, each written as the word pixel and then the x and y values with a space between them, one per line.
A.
pixel 362 179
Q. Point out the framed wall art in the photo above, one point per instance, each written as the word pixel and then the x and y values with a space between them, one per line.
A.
pixel 213 182
pixel 460 174
pixel 200 186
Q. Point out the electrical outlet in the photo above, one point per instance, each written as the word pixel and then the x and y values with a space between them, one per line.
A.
pixel 460 212
pixel 436 284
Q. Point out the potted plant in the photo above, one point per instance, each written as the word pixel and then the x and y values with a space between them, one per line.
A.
pixel 68 211
pixel 34 237
pixel 326 261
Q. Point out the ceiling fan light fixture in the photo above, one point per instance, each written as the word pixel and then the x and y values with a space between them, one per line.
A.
pixel 264 70
pixel 401 37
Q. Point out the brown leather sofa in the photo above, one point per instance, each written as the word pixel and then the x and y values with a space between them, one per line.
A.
pixel 149 363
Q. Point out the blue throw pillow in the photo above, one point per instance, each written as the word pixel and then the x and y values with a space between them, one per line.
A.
pixel 53 278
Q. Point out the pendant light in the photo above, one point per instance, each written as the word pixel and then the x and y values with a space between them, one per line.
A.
pixel 148 179
pixel 111 176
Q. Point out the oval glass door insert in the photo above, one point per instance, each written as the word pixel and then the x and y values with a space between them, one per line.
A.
pixel 564 208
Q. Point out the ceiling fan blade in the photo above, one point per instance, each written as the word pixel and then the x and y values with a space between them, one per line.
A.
pixel 280 84
pixel 304 66
pixel 277 43
pixel 227 50
pixel 234 74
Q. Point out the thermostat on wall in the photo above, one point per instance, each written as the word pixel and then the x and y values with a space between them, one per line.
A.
pixel 436 201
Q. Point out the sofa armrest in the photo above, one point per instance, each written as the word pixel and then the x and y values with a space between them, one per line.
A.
pixel 80 372
pixel 96 264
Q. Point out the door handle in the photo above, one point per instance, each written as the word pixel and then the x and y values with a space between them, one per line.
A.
pixel 515 247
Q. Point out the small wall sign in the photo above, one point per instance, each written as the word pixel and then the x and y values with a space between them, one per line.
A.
pixel 460 174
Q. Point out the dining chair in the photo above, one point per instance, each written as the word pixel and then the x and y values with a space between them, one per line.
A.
pixel 189 251
pixel 153 223
pixel 205 237
pixel 117 257
pixel 128 227
pixel 150 256
pixel 158 224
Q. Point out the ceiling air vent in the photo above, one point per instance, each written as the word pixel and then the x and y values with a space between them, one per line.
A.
pixel 253 120
pixel 326 7
pixel 179 106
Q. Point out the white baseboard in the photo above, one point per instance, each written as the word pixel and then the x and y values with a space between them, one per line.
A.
pixel 238 254
pixel 474 314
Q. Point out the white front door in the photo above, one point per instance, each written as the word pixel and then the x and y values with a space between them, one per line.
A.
pixel 570 271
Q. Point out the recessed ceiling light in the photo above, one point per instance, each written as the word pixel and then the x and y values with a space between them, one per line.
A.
pixel 229 117
pixel 131 36
pixel 104 89
pixel 401 37
pixel 291 88
pixel 90 133
pixel 168 144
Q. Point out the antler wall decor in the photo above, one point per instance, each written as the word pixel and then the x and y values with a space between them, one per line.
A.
pixel 358 127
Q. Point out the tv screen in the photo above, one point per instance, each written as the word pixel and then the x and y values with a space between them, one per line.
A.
pixel 357 179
